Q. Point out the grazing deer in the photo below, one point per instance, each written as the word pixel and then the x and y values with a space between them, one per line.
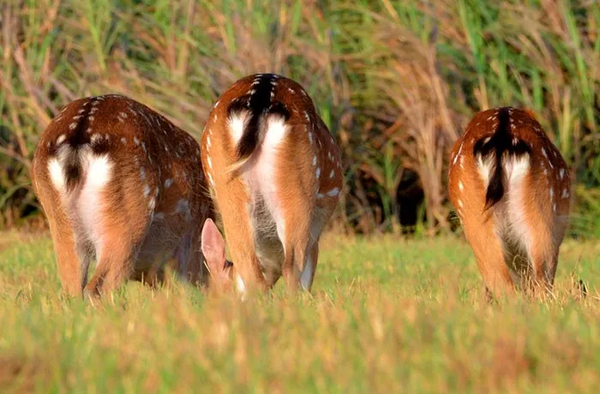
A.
pixel 510 187
pixel 275 174
pixel 120 183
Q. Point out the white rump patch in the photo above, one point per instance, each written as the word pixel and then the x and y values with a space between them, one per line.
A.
pixel 237 124
pixel 276 130
pixel 56 174
pixel 485 167
pixel 515 170
pixel 98 174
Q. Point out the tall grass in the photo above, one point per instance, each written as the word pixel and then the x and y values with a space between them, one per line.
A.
pixel 396 81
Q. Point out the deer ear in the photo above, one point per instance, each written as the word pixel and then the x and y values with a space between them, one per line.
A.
pixel 213 247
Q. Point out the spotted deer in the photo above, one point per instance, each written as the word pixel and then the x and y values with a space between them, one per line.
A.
pixel 510 187
pixel 120 183
pixel 275 175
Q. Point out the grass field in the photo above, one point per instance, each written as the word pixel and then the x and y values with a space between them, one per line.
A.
pixel 386 315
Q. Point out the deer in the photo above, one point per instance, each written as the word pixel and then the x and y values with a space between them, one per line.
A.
pixel 121 184
pixel 274 173
pixel 510 187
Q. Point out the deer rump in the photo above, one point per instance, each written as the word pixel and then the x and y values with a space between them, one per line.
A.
pixel 259 129
pixel 81 173
pixel 505 161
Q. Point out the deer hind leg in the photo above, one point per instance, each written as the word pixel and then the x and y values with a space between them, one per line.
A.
pixel 118 244
pixel 541 242
pixel 541 258
pixel 320 217
pixel 487 246
pixel 310 266
pixel 71 255
pixel 116 259
pixel 239 233
pixel 560 228
pixel 294 231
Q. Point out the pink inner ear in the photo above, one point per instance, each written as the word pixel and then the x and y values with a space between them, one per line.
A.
pixel 213 247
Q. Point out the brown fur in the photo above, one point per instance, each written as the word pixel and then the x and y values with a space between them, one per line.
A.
pixel 544 205
pixel 141 222
pixel 294 178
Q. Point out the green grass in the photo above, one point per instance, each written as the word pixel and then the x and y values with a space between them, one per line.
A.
pixel 386 315
pixel 401 76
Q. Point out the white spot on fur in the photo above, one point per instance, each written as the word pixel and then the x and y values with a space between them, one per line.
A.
pixel 333 192
pixel 123 140
pixel 168 183
pixel 123 115
pixel 551 193
pixel 544 153
pixel 318 173
pixel 209 161
pixel 565 193
pixel 72 126
pixel 61 138
pixel 460 203
pixel 331 174
pixel 461 187
pixel 562 173
pixel 310 137
pixel 136 141
pixel 142 173
pixel 314 162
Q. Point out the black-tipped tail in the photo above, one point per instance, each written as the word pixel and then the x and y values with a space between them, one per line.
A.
pixel 501 144
pixel 72 170
pixel 258 102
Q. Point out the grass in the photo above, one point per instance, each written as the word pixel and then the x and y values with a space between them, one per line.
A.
pixel 405 76
pixel 386 315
